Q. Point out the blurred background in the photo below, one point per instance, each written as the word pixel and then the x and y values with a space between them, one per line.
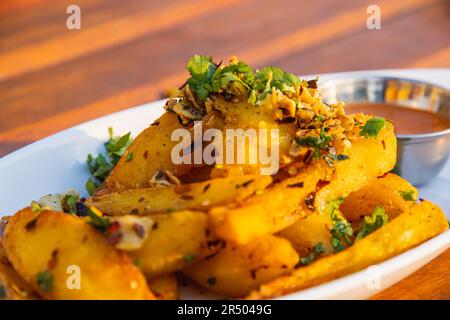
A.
pixel 131 52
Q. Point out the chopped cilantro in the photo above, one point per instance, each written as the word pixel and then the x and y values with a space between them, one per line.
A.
pixel 98 222
pixel 319 143
pixel 407 195
pixel 101 165
pixel 45 281
pixel 138 262
pixel 189 258
pixel 372 127
pixel 69 203
pixel 317 250
pixel 207 77
pixel 341 230
pixel 35 207
pixel 130 156
pixel 371 223
pixel 91 186
pixel 201 69
pixel 342 157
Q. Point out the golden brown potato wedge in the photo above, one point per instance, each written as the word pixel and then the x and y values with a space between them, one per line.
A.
pixel 393 193
pixel 308 232
pixel 409 229
pixel 151 151
pixel 195 196
pixel 369 159
pixel 176 240
pixel 12 286
pixel 274 210
pixel 236 270
pixel 63 257
pixel 165 287
pixel 281 206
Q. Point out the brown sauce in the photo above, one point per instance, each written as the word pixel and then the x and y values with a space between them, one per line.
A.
pixel 406 120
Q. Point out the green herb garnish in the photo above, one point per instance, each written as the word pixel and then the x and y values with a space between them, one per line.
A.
pixel 189 258
pixel 371 223
pixel 45 281
pixel 372 127
pixel 69 203
pixel 341 230
pixel 317 250
pixel 101 165
pixel 99 223
pixel 130 156
pixel 35 207
pixel 319 143
pixel 91 186
pixel 407 195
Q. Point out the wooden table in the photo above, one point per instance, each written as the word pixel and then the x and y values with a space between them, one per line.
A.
pixel 131 52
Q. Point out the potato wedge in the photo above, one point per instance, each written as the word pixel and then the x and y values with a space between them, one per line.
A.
pixel 50 250
pixel 281 206
pixel 236 270
pixel 165 287
pixel 308 232
pixel 151 151
pixel 391 192
pixel 369 159
pixel 409 229
pixel 176 240
pixel 274 210
pixel 12 286
pixel 196 196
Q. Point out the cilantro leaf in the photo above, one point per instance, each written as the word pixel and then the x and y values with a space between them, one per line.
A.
pixel 69 203
pixel 372 127
pixel 319 143
pixel 371 223
pixel 317 250
pixel 407 195
pixel 202 70
pixel 341 230
pixel 45 281
pixel 101 165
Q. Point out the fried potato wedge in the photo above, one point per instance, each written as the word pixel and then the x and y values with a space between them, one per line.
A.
pixel 236 270
pixel 151 151
pixel 369 158
pixel 12 286
pixel 274 210
pixel 308 232
pixel 165 287
pixel 196 196
pixel 54 251
pixel 420 223
pixel 281 206
pixel 176 240
pixel 391 192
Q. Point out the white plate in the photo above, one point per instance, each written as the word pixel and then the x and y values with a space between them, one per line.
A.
pixel 57 163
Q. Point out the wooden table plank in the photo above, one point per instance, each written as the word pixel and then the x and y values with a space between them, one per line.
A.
pixel 130 52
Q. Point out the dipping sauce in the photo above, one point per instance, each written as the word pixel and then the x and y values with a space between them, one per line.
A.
pixel 406 120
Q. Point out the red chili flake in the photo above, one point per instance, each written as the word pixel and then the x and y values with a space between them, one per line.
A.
pixel 146 154
pixel 113 227
pixel 54 259
pixel 139 230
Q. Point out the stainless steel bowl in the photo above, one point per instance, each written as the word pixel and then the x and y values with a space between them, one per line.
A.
pixel 420 157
